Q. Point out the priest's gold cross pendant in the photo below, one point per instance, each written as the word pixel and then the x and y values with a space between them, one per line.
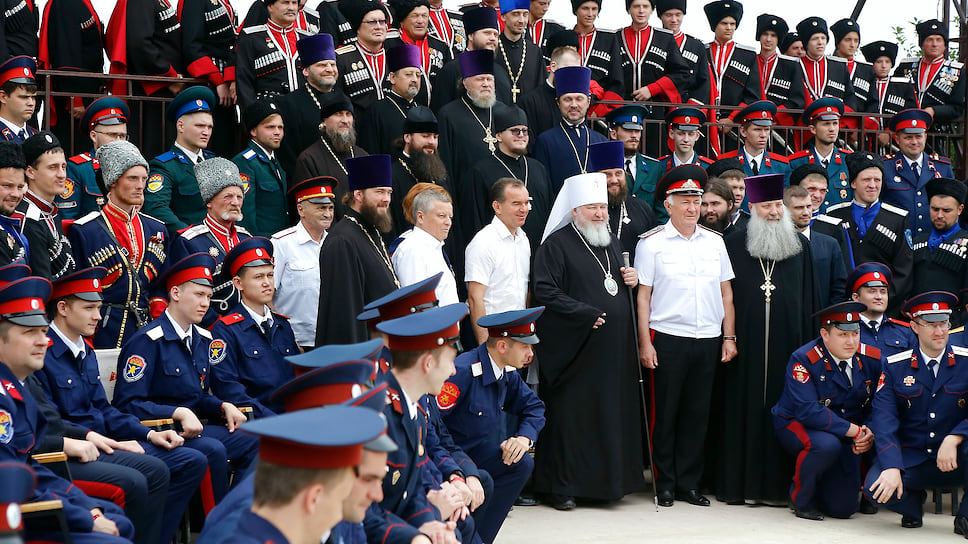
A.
pixel 768 288
pixel 489 140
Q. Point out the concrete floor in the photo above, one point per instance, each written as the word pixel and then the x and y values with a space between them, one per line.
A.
pixel 634 520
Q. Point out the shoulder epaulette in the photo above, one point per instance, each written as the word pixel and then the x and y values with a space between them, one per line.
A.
pixel 194 231
pixel 841 205
pixel 242 230
pixel 311 11
pixel 166 156
pixel 345 49
pixel 955 64
pixel 706 160
pixel 664 157
pixel 254 29
pixel 303 33
pixel 607 30
pixel 208 154
pixel 912 60
pixel 283 233
pixel 960 350
pixel 155 333
pixel 393 33
pixel 801 153
pixel 892 208
pixel 707 229
pixel 91 216
pixel 864 62
pixel 838 59
pixel 779 158
pixel 898 357
pixel 899 322
pixel 869 351
pixel 660 29
pixel 939 158
pixel 654 230
pixel 248 154
pixel 33 212
pixel 959 329
pixel 815 354
pixel 844 151
pixel 284 316
pixel 746 47
pixel 791 59
pixel 81 159
pixel 153 218
pixel 232 319
pixel 204 332
pixel 899 80
pixel 827 219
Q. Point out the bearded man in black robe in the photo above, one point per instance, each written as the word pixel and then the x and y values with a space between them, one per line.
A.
pixel 336 143
pixel 591 446
pixel 354 267
pixel 774 299
pixel 628 217
pixel 417 162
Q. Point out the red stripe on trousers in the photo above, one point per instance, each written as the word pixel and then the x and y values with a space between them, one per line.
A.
pixel 797 429
pixel 102 490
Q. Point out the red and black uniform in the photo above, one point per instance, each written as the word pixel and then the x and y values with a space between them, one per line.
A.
pixel 267 62
pixel 208 36
pixel 20 22
pixel 144 38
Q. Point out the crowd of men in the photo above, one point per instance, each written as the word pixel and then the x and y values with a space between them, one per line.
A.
pixel 325 295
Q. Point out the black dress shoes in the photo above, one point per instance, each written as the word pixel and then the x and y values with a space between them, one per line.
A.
pixel 961 525
pixel 812 515
pixel 911 522
pixel 525 500
pixel 561 502
pixel 665 498
pixel 867 507
pixel 693 497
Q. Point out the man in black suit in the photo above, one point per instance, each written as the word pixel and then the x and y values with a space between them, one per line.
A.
pixel 828 264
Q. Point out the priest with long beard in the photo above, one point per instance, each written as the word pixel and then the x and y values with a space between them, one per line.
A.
pixel 774 298
pixel 591 446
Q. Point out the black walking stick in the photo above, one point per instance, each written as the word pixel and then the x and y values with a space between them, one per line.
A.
pixel 645 408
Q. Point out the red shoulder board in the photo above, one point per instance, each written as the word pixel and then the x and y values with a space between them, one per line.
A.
pixel 730 155
pixel 286 317
pixel 800 154
pixel 779 158
pixel 81 159
pixel 11 390
pixel 393 397
pixel 899 322
pixel 231 319
pixel 869 351
pixel 815 354
pixel 663 157
pixel 89 341
pixel 705 160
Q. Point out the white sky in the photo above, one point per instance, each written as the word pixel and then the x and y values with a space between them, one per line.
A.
pixel 875 20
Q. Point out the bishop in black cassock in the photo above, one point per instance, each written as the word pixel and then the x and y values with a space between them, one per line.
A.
pixel 591 446
pixel 508 160
pixel 750 464
pixel 354 267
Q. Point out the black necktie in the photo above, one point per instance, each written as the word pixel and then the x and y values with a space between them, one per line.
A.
pixel 22 134
pixel 188 343
pixel 756 169
pixel 826 163
pixel 917 169
pixel 873 325
pixel 267 329
pixel 628 169
pixel 843 370
pixel 933 367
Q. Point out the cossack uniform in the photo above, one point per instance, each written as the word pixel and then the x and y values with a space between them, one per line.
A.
pixel 887 334
pixel 357 79
pixel 267 62
pixel 821 398
pixel 937 84
pixel 762 113
pixel 208 39
pixel 838 178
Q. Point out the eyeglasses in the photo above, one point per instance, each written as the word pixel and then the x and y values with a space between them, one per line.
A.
pixel 376 22
pixel 518 131
pixel 939 325
pixel 115 135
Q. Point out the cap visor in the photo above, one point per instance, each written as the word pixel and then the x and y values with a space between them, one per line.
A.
pixel 28 320
pixel 321 200
pixel 826 117
pixel 632 126
pixel 112 121
pixel 762 122
pixel 915 130
pixel 383 443
pixel 258 262
pixel 875 283
pixel 935 317
pixel 368 315
pixel 852 326
pixel 90 296
pixel 203 281
pixel 687 127
pixel 530 339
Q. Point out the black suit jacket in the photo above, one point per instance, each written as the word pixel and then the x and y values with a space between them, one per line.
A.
pixel 828 268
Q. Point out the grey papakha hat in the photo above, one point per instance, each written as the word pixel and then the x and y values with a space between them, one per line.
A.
pixel 216 174
pixel 115 158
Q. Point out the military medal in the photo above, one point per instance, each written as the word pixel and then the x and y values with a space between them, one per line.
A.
pixel 213 251
pixel 420 449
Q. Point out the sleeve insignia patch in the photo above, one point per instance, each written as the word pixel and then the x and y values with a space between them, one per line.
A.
pixel 448 396
pixel 216 351
pixel 800 373
pixel 134 368
pixel 155 183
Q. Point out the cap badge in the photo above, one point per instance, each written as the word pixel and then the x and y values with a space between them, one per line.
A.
pixel 48 138
pixel 273 106
pixel 532 327
pixel 688 119
pixel 440 341
pixel 198 102
pixel 635 118
pixel 258 252
pixel 96 283
pixel 27 72
pixel 914 123
pixel 690 184
pixel 877 275
pixel 34 304
pixel 208 274
pixel 814 23
pixel 849 317
pixel 935 306
pixel 773 22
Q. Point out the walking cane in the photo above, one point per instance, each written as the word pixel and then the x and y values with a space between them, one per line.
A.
pixel 645 409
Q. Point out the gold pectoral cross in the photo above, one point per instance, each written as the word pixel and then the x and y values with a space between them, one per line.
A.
pixel 489 140
pixel 514 93
pixel 768 288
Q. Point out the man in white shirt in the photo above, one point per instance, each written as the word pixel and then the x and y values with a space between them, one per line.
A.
pixel 297 256
pixel 420 254
pixel 497 262
pixel 686 323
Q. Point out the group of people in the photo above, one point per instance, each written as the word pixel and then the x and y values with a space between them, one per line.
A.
pixel 335 333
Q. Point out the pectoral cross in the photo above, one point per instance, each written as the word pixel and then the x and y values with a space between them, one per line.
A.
pixel 768 288
pixel 489 140
pixel 514 94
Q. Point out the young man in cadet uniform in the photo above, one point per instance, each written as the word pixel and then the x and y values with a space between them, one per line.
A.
pixel 18 91
pixel 823 118
pixel 23 344
pixel 71 380
pixel 919 418
pixel 106 119
pixel 482 383
pixel 868 284
pixel 423 354
pixel 163 372
pixel 641 170
pixel 172 191
pixel 822 414
pixel 305 472
pixel 266 208
pixel 756 122
pixel 249 343
pixel 132 246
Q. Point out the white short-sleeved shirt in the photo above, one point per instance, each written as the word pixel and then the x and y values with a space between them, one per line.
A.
pixel 501 262
pixel 296 257
pixel 420 256
pixel 685 275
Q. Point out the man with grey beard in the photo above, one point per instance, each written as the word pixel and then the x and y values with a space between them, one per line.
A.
pixel 774 296
pixel 336 143
pixel 384 120
pixel 590 449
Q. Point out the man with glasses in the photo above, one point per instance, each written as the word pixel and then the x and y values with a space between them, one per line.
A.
pixel 106 119
pixel 919 417
pixel 363 74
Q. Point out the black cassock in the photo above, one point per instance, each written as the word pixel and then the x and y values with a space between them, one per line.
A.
pixel 523 79
pixel 382 123
pixel 403 181
pixel 300 116
pixel 320 159
pixel 448 86
pixel 750 464
pixel 629 221
pixel 478 212
pixel 353 271
pixel 591 445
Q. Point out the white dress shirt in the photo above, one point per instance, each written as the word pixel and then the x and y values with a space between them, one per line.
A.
pixel 685 275
pixel 77 348
pixel 420 256
pixel 501 262
pixel 296 257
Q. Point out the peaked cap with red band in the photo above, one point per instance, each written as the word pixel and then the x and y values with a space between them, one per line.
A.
pixel 424 331
pixel 84 284
pixel 254 251
pixel 23 302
